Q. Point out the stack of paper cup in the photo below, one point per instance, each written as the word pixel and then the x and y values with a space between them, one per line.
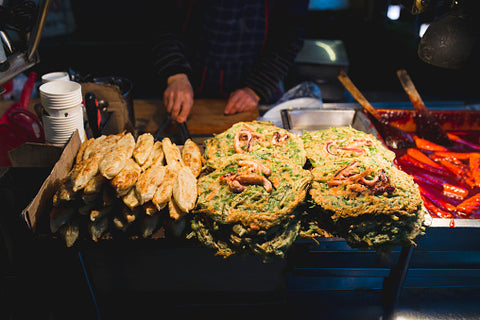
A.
pixel 62 101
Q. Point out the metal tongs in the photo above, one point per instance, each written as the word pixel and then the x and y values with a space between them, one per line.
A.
pixel 184 133
pixel 182 128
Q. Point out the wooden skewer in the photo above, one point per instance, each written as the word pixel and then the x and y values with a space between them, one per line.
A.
pixel 427 125
pixel 411 91
pixel 393 137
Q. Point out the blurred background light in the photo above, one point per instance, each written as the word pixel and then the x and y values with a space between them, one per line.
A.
pixel 393 11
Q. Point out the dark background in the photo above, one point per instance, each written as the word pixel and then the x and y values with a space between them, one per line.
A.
pixel 112 38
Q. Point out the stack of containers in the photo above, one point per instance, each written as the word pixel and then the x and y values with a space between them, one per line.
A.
pixel 62 103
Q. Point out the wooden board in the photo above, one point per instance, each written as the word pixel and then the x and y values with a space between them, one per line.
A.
pixel 205 118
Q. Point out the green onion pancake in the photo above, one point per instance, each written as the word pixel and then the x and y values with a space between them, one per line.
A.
pixel 370 204
pixel 249 204
pixel 261 137
pixel 338 143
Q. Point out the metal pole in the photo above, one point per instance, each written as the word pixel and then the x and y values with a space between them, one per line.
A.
pixel 89 284
pixel 393 284
pixel 38 29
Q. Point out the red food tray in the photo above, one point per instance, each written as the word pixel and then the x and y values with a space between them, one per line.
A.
pixel 462 208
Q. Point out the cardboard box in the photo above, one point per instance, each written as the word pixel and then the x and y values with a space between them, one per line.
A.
pixel 38 205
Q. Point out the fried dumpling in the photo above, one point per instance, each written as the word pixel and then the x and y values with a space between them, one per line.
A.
pixel 185 189
pixel 126 178
pixel 94 185
pixel 156 156
pixel 130 199
pixel 192 157
pixel 115 160
pixel 143 147
pixel 148 183
pixel 173 156
pixel 82 149
pixel 174 211
pixel 163 194
pixel 59 215
pixel 87 170
pixel 90 148
pixel 65 192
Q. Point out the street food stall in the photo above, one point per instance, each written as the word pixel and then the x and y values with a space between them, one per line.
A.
pixel 291 208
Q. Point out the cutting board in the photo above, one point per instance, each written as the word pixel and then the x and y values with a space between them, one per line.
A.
pixel 206 117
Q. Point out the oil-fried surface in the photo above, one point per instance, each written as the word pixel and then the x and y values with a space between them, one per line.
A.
pixel 185 189
pixel 115 159
pixel 163 194
pixel 358 193
pixel 260 137
pixel 192 157
pixel 254 207
pixel 143 147
pixel 173 155
pixel 340 143
pixel 148 183
pixel 126 178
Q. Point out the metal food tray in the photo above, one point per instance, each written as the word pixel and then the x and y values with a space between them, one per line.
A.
pixel 299 120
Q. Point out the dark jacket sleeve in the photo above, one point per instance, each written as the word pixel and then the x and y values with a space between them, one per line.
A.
pixel 286 31
pixel 168 49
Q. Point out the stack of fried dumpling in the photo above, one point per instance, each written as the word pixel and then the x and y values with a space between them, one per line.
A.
pixel 117 181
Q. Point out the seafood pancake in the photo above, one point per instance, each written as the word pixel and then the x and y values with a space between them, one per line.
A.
pixel 261 137
pixel 338 143
pixel 370 205
pixel 230 239
pixel 249 204
pixel 257 198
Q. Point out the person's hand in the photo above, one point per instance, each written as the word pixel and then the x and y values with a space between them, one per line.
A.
pixel 178 97
pixel 241 100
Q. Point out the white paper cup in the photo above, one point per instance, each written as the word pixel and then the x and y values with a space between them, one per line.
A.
pixel 58 96
pixel 58 88
pixel 61 99
pixel 63 112
pixel 58 130
pixel 59 75
pixel 66 116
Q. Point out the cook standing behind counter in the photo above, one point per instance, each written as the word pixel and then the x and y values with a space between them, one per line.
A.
pixel 233 49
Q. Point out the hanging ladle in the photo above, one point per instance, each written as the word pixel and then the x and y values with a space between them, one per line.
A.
pixel 394 137
pixel 427 125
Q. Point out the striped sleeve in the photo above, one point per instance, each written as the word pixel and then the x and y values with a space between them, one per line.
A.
pixel 167 47
pixel 285 39
pixel 169 57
